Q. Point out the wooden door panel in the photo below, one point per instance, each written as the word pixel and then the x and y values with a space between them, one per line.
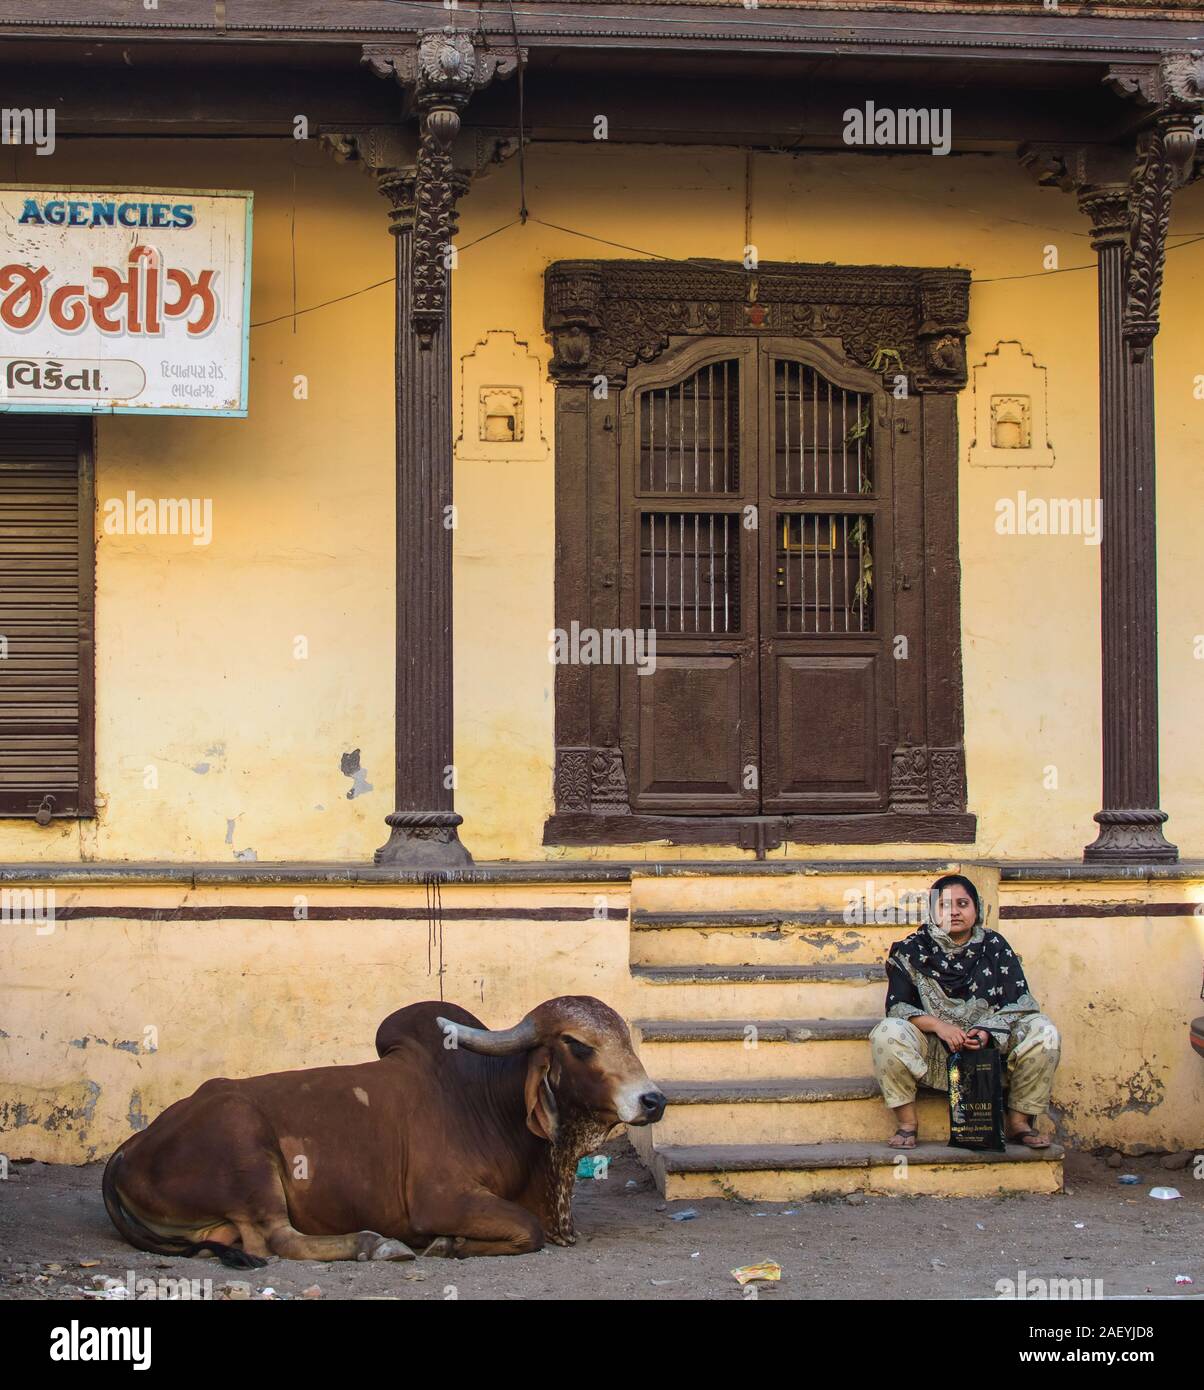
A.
pixel 694 723
pixel 690 579
pixel 823 717
pixel 826 564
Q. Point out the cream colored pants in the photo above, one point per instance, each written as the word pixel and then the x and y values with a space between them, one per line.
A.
pixel 904 1057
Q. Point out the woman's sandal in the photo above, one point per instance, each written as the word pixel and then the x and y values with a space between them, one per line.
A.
pixel 907 1135
pixel 1029 1138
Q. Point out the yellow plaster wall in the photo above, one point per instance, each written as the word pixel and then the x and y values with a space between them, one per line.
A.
pixel 196 663
pixel 106 1022
pixel 1123 992
pixel 195 645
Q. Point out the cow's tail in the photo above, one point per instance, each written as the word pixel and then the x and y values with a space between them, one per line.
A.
pixel 143 1238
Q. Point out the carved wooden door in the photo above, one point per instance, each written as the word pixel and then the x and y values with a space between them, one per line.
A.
pixel 755 506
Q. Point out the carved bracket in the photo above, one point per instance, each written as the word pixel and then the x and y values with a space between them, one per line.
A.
pixel 603 317
pixel 1138 208
pixel 1127 196
pixel 1174 82
pixel 1150 193
pixel 390 157
pixel 1168 150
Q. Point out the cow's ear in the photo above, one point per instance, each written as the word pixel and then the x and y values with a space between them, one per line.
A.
pixel 542 1118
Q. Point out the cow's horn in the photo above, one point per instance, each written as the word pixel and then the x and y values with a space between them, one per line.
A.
pixel 499 1042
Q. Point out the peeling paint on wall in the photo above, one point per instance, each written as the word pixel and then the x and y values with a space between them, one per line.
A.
pixel 67 1108
pixel 135 1116
pixel 248 854
pixel 1146 1092
pixel 349 766
pixel 124 1046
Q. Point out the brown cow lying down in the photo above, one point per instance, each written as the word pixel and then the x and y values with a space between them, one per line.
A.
pixel 458 1141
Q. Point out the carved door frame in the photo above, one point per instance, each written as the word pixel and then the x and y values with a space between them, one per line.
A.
pixel 605 317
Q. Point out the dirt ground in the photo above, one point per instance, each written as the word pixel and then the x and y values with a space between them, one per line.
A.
pixel 629 1247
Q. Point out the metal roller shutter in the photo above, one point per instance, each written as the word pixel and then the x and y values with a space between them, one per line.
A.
pixel 46 601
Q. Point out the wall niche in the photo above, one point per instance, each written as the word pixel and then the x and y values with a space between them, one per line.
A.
pixel 500 409
pixel 1010 400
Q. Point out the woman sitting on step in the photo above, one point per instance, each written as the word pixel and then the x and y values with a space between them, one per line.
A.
pixel 954 983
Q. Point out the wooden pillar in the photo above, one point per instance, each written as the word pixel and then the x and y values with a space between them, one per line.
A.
pixel 439 73
pixel 1130 819
pixel 424 822
pixel 1127 194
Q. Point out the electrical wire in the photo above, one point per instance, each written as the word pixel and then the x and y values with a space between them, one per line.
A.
pixel 657 256
pixel 325 304
pixel 524 217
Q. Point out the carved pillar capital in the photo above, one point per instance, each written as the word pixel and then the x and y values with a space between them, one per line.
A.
pixel 439 74
pixel 1106 207
pixel 1126 193
pixel 442 70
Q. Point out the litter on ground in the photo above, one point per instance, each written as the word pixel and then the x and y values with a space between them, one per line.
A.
pixel 768 1270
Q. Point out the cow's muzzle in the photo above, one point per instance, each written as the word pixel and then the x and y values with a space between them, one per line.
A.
pixel 651 1108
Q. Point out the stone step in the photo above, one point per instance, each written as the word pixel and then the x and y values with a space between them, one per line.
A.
pixel 802 886
pixel 763 936
pixel 788 1110
pixel 736 1049
pixel 794 1172
pixel 729 991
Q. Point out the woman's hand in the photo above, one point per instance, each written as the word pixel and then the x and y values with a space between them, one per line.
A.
pixel 978 1038
pixel 951 1035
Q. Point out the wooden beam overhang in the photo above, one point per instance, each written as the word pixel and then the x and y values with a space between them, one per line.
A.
pixel 946 32
pixel 247 67
pixel 111 90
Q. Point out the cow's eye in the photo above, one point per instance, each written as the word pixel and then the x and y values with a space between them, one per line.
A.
pixel 580 1050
